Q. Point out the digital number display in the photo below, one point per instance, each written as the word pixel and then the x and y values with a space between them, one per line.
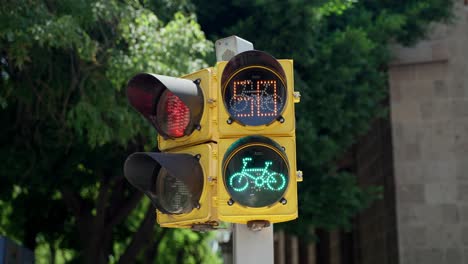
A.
pixel 256 176
pixel 255 96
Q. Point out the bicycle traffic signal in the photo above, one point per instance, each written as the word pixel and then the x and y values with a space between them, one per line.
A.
pixel 257 94
pixel 257 172
pixel 232 159
pixel 179 180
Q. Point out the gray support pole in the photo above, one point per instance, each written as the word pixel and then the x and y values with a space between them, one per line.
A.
pixel 252 247
pixel 249 247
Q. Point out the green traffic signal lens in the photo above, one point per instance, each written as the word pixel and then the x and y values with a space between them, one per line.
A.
pixel 256 172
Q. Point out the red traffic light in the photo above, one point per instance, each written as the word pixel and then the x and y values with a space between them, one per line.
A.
pixel 174 106
pixel 173 116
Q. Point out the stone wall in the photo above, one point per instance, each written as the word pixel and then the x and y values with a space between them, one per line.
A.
pixel 429 113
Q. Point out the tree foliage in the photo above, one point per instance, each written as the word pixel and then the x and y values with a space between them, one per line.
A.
pixel 68 127
pixel 341 52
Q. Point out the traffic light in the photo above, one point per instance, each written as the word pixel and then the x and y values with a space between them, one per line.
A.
pixel 227 136
pixel 258 96
pixel 257 151
pixel 181 109
pixel 179 181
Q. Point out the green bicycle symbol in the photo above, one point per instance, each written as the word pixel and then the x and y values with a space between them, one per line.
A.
pixel 260 177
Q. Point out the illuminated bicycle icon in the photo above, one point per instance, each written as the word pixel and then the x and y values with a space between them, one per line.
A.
pixel 262 178
pixel 257 100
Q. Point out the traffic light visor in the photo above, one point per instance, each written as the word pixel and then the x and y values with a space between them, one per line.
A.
pixel 174 106
pixel 173 182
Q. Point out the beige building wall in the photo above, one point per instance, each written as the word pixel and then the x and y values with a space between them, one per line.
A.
pixel 429 117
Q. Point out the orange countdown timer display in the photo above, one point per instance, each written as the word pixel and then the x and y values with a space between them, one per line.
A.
pixel 255 96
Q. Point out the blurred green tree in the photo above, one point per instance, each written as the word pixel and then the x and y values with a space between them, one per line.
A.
pixel 68 127
pixel 62 67
pixel 341 52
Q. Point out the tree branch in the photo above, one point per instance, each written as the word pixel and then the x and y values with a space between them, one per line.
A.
pixel 118 193
pixel 125 209
pixel 152 250
pixel 101 202
pixel 73 85
pixel 141 236
pixel 72 200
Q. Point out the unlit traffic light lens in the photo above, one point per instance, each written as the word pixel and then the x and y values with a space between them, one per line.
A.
pixel 256 173
pixel 174 196
pixel 173 181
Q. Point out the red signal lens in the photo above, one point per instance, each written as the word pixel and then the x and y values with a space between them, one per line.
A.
pixel 173 115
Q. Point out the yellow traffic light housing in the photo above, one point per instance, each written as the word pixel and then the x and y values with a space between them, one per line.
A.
pixel 180 180
pixel 227 136
pixel 181 109
pixel 257 179
pixel 179 183
pixel 257 92
pixel 257 176
pixel 204 214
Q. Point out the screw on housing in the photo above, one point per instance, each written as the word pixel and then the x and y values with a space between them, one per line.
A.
pixel 229 121
pixel 198 156
pixel 197 81
pixel 283 201
pixel 230 202
pixel 281 119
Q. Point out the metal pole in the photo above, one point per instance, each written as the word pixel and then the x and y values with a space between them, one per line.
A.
pixel 249 247
pixel 252 247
